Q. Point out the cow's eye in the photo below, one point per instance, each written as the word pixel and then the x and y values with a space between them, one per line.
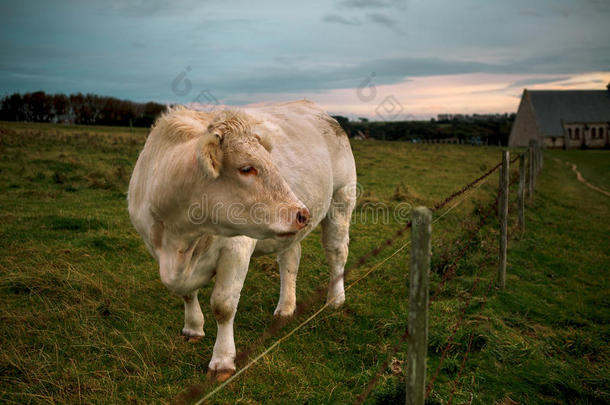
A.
pixel 248 170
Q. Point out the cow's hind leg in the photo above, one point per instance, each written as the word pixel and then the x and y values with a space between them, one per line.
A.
pixel 289 266
pixel 193 318
pixel 335 238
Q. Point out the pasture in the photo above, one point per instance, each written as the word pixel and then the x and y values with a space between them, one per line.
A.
pixel 84 317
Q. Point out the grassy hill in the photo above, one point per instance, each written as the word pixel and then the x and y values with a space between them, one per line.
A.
pixel 85 318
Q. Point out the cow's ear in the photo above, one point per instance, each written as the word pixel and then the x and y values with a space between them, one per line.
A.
pixel 209 155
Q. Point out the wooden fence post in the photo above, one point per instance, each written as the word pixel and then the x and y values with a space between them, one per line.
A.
pixel 503 215
pixel 418 306
pixel 532 174
pixel 521 192
pixel 541 157
pixel 538 160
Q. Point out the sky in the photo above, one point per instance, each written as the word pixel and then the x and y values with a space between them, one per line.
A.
pixel 380 59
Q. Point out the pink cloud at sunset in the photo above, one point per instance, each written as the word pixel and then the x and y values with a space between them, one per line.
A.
pixel 425 97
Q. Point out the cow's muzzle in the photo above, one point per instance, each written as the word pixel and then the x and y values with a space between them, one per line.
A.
pixel 298 220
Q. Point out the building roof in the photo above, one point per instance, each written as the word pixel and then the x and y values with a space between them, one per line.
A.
pixel 555 107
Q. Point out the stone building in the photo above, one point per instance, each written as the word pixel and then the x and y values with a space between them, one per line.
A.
pixel 563 119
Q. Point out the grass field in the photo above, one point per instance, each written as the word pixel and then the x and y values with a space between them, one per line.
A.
pixel 84 317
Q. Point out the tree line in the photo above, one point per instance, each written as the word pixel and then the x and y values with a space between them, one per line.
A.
pixel 492 131
pixel 86 109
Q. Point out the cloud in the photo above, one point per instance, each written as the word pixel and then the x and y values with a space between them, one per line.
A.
pixel 370 3
pixel 335 18
pixel 146 8
pixel 280 78
pixel 529 13
pixel 564 61
pixel 382 20
pixel 600 5
pixel 580 83
pixel 528 82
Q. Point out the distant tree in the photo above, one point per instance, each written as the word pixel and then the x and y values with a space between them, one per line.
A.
pixel 149 113
pixel 77 108
pixel 61 108
pixel 11 108
pixel 39 106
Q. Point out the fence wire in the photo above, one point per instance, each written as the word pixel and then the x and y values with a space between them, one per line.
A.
pixel 450 272
pixel 467 187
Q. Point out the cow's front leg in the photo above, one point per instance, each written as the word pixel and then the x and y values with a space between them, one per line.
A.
pixel 335 238
pixel 289 266
pixel 230 274
pixel 193 318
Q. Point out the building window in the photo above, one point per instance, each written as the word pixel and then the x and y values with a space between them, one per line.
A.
pixel 593 133
pixel 577 133
pixel 570 133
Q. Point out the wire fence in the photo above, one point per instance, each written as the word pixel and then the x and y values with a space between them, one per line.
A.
pixel 446 276
pixel 244 360
pixel 371 384
pixel 503 192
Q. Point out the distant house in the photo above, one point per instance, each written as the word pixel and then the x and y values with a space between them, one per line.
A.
pixel 563 119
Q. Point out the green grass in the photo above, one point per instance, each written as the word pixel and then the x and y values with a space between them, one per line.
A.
pixel 593 165
pixel 84 317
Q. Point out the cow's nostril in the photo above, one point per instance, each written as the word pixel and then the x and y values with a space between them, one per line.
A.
pixel 302 217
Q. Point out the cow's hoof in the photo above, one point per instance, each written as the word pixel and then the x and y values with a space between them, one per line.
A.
pixel 282 313
pixel 335 301
pixel 280 321
pixel 220 375
pixel 192 336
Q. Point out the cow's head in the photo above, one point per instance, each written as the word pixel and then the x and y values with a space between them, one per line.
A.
pixel 245 192
pixel 229 184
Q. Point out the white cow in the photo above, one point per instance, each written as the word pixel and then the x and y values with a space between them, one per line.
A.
pixel 209 190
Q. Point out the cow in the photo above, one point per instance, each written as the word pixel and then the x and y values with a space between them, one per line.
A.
pixel 211 189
